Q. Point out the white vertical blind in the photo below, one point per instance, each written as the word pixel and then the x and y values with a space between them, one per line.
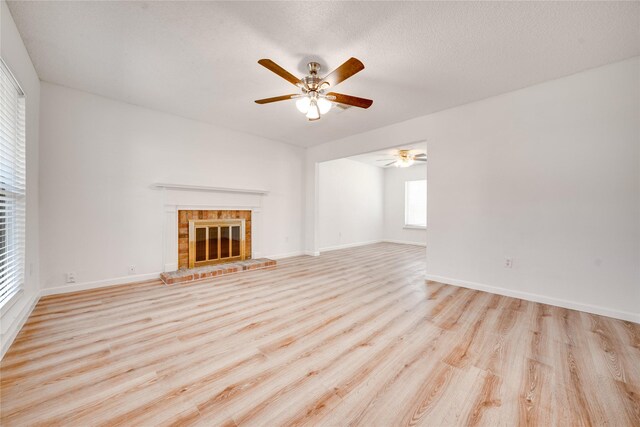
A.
pixel 415 203
pixel 12 185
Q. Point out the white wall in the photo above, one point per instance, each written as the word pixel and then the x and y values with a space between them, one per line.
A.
pixel 15 55
pixel 548 175
pixel 394 184
pixel 99 160
pixel 351 206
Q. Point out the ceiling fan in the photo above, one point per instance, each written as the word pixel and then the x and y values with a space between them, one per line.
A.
pixel 404 159
pixel 314 100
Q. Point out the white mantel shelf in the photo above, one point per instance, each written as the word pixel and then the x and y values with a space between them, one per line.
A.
pixel 212 189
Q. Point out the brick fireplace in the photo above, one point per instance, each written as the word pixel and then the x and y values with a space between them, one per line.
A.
pixel 217 236
pixel 183 202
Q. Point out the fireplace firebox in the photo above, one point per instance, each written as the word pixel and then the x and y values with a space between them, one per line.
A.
pixel 214 241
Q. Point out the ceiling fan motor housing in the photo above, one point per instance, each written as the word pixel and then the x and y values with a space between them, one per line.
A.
pixel 312 81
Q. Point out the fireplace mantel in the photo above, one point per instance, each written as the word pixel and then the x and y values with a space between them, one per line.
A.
pixel 212 189
pixel 177 197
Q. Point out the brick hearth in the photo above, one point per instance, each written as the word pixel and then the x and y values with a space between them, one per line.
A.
pixel 209 271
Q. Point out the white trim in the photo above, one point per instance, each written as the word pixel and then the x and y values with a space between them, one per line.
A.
pixel 595 309
pixel 285 255
pixel 100 284
pixel 206 188
pixel 11 301
pixel 404 242
pixel 17 325
pixel 348 245
pixel 207 207
pixel 311 253
pixel 371 242
pixel 414 227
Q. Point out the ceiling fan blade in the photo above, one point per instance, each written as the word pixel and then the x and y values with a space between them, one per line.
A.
pixel 343 72
pixel 420 155
pixel 389 164
pixel 385 160
pixel 349 100
pixel 277 98
pixel 272 66
pixel 420 160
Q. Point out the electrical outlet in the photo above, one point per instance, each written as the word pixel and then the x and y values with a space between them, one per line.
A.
pixel 71 277
pixel 132 269
pixel 508 262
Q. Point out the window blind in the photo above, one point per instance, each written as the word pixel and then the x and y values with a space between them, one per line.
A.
pixel 12 185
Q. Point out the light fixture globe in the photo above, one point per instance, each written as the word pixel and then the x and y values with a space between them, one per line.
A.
pixel 314 111
pixel 324 105
pixel 303 103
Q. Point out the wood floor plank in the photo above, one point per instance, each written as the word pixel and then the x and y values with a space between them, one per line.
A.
pixel 352 337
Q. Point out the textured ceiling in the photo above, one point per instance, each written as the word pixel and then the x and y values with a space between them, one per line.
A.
pixel 198 60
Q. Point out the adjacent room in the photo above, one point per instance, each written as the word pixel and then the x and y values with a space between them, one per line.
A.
pixel 373 197
pixel 380 214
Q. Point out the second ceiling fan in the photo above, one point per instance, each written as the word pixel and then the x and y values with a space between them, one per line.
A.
pixel 314 100
pixel 405 158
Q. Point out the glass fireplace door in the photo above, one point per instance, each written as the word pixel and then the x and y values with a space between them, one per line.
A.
pixel 212 242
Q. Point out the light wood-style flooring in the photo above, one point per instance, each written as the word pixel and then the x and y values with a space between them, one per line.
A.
pixel 353 337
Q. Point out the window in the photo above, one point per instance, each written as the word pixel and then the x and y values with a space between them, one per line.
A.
pixel 415 203
pixel 12 186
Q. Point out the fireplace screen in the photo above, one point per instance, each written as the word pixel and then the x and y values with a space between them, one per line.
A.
pixel 216 241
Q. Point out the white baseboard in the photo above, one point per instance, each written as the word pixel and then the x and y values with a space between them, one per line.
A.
pixel 285 255
pixel 558 302
pixel 311 253
pixel 16 327
pixel 370 242
pixel 348 245
pixel 405 242
pixel 99 284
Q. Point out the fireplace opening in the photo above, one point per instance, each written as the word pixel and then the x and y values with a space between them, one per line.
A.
pixel 216 241
pixel 205 237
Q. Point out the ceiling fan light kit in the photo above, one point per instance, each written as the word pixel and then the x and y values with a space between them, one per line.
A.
pixel 404 163
pixel 313 105
pixel 314 101
pixel 404 159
